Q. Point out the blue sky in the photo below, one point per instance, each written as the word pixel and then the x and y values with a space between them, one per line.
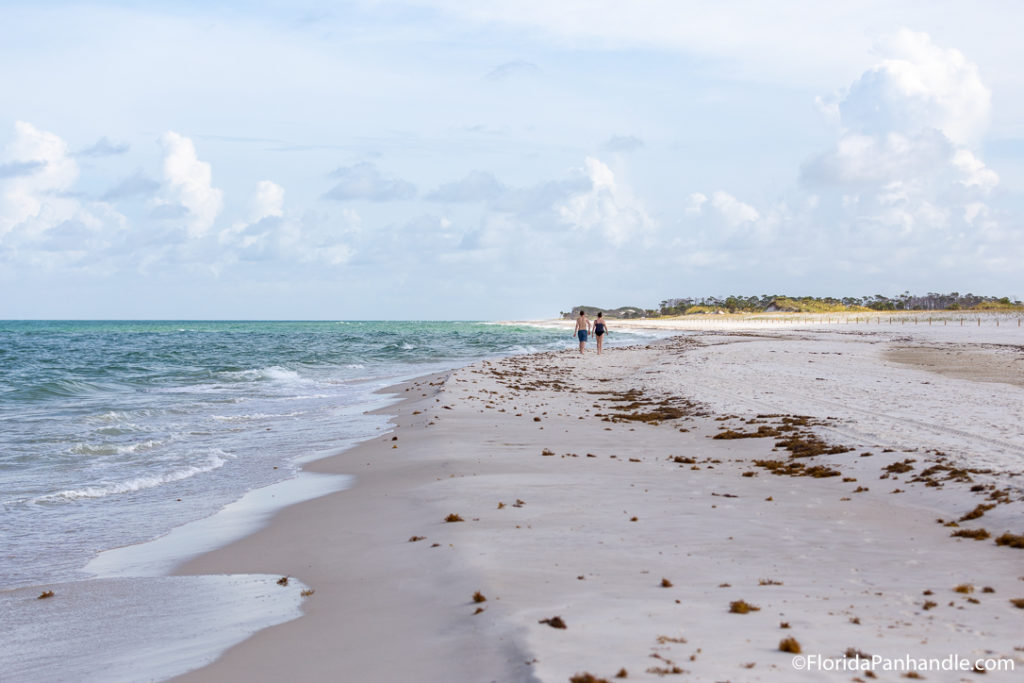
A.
pixel 443 159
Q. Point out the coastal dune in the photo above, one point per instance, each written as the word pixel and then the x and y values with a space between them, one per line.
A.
pixel 673 509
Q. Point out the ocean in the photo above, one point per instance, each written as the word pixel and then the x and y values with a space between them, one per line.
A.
pixel 114 433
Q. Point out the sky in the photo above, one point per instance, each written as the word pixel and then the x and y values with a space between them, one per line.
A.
pixel 440 159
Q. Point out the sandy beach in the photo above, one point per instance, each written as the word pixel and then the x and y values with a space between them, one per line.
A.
pixel 609 525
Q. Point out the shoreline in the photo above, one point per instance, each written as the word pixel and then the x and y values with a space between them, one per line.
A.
pixel 377 593
pixel 144 569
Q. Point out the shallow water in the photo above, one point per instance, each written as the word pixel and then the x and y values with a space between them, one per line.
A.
pixel 112 433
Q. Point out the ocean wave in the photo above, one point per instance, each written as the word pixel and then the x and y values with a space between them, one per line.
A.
pixel 111 416
pixel 114 449
pixel 216 460
pixel 253 416
pixel 273 373
pixel 60 388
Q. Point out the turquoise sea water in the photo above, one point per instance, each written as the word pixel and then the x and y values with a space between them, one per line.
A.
pixel 112 433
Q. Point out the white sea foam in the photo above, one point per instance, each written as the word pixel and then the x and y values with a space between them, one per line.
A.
pixel 253 416
pixel 519 349
pixel 214 460
pixel 113 449
pixel 112 416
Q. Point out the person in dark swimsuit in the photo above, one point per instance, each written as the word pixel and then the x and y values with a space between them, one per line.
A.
pixel 600 329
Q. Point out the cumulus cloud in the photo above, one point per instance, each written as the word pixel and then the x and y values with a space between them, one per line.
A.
pixel 265 233
pixel 44 223
pixel 696 203
pixel 918 85
pixel 40 173
pixel 189 183
pixel 733 210
pixel 269 200
pixel 724 220
pixel 973 172
pixel 904 159
pixel 608 206
pixel 365 181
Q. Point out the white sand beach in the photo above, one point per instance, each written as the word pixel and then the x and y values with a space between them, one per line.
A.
pixel 590 489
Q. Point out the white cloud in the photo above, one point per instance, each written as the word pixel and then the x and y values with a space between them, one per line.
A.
pixel 40 217
pixel 903 161
pixel 608 206
pixel 733 210
pixel 269 200
pixel 919 86
pixel 189 183
pixel 32 201
pixel 975 173
pixel 696 203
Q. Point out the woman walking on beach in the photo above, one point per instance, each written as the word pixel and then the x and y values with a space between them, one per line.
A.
pixel 582 329
pixel 600 329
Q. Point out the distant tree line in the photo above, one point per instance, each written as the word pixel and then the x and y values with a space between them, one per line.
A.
pixel 931 301
pixel 623 312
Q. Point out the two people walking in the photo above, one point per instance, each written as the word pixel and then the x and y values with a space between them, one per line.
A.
pixel 584 328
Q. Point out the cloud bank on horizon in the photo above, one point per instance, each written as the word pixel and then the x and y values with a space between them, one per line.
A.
pixel 446 160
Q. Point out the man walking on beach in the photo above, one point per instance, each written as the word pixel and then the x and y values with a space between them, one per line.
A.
pixel 582 329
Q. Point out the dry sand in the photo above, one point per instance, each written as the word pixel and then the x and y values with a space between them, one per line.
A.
pixel 639 533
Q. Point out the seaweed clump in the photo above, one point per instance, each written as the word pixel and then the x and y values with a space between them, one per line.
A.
pixel 1011 540
pixel 586 678
pixel 742 607
pixel 790 645
pixel 976 534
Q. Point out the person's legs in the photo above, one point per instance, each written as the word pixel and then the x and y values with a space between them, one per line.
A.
pixel 600 342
